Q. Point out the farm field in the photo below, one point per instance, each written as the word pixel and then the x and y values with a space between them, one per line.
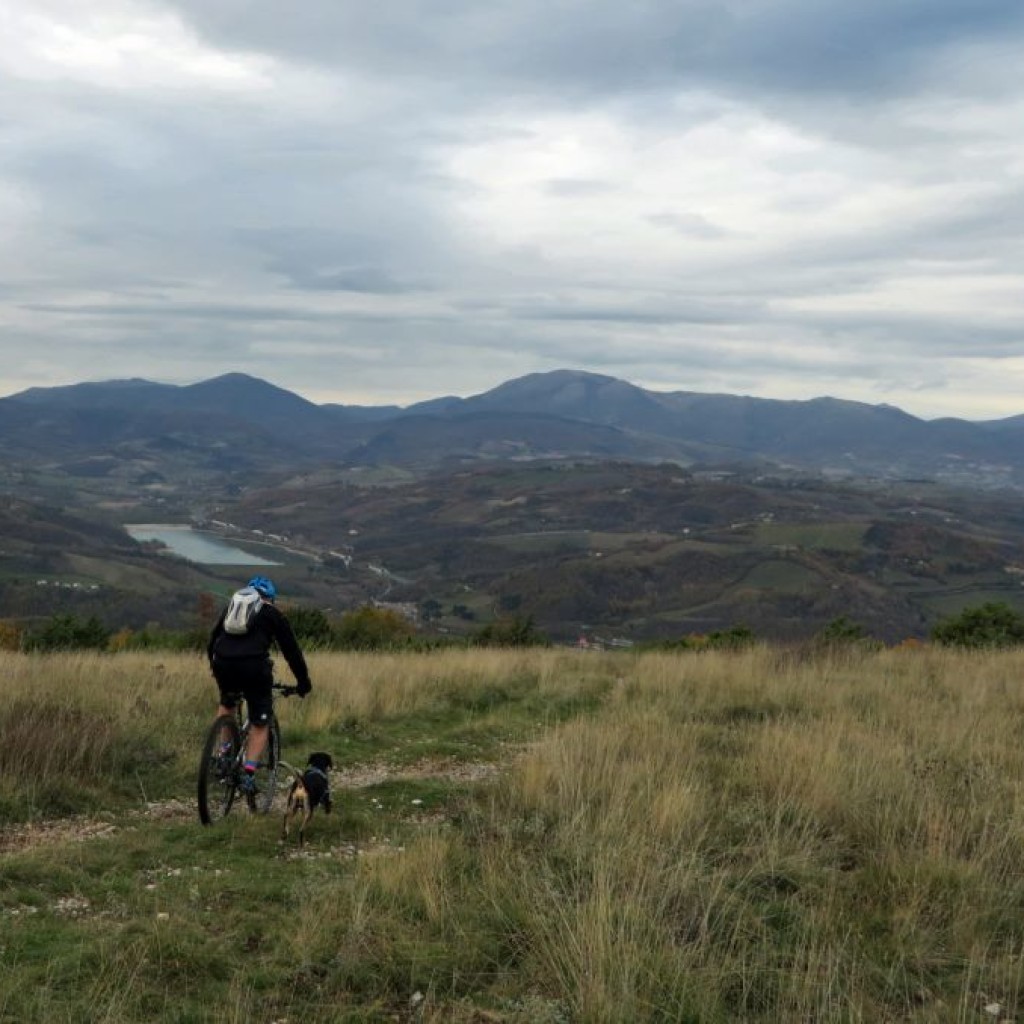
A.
pixel 776 834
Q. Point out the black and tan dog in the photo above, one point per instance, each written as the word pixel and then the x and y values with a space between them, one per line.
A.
pixel 310 790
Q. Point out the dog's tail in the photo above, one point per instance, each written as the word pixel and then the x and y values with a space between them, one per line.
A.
pixel 291 768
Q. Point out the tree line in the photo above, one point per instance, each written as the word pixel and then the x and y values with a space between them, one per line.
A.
pixel 991 625
pixel 366 628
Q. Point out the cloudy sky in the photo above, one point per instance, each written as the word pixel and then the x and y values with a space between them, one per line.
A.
pixel 390 201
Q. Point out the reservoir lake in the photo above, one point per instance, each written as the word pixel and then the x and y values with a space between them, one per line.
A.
pixel 201 548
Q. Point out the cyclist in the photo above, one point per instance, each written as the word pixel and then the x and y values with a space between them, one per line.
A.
pixel 239 653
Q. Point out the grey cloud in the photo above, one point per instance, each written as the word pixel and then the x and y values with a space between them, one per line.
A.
pixel 221 315
pixel 921 336
pixel 604 47
pixel 321 259
pixel 367 280
pixel 571 187
pixel 141 195
pixel 173 310
pixel 692 225
pixel 968 236
pixel 642 313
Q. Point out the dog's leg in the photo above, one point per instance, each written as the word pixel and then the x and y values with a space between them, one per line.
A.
pixel 289 810
pixel 300 805
pixel 291 805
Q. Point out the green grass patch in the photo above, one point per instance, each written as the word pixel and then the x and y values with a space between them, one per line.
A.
pixel 812 536
pixel 780 576
pixel 464 724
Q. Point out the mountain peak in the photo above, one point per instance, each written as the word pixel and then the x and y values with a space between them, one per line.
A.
pixel 248 397
pixel 577 395
pixel 551 379
pixel 233 377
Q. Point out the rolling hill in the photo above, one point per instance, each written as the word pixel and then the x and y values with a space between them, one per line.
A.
pixel 658 551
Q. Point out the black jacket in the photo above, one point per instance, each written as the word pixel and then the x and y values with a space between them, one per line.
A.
pixel 268 627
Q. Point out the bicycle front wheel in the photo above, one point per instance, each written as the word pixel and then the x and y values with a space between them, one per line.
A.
pixel 219 766
pixel 262 800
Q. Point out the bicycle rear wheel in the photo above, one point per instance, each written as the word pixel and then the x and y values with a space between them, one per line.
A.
pixel 262 800
pixel 218 769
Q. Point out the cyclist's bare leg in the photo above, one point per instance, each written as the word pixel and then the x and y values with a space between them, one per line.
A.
pixel 257 742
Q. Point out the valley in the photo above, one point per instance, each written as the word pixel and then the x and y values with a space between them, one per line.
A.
pixel 579 539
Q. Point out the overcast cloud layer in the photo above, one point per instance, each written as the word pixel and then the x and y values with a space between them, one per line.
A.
pixel 376 203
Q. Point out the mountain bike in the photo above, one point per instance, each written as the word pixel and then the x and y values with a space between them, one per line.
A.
pixel 221 764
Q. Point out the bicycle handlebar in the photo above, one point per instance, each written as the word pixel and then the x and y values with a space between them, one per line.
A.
pixel 285 691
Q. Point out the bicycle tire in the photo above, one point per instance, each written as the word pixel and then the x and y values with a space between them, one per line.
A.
pixel 218 770
pixel 262 800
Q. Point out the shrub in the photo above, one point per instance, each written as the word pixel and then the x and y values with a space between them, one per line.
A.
pixel 368 628
pixel 311 626
pixel 10 635
pixel 842 630
pixel 732 639
pixel 519 631
pixel 152 638
pixel 68 633
pixel 122 640
pixel 994 624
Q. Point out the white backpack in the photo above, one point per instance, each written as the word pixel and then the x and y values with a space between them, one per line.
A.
pixel 242 609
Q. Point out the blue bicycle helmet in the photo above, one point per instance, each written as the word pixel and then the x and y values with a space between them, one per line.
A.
pixel 265 587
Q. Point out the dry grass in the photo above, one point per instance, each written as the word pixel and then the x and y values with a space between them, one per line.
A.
pixel 758 836
pixel 763 837
pixel 372 686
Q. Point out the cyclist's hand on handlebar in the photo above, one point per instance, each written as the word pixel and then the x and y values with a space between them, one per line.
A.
pixel 304 687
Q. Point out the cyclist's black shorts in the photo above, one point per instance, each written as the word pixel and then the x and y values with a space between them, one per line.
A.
pixel 252 678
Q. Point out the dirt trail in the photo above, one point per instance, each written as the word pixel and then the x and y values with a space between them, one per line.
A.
pixel 32 835
pixel 448 769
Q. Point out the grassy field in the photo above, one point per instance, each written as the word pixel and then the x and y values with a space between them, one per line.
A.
pixel 546 836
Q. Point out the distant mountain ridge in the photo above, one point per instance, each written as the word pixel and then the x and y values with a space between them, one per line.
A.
pixel 559 414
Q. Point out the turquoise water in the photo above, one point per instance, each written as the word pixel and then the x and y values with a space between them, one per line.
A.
pixel 201 548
